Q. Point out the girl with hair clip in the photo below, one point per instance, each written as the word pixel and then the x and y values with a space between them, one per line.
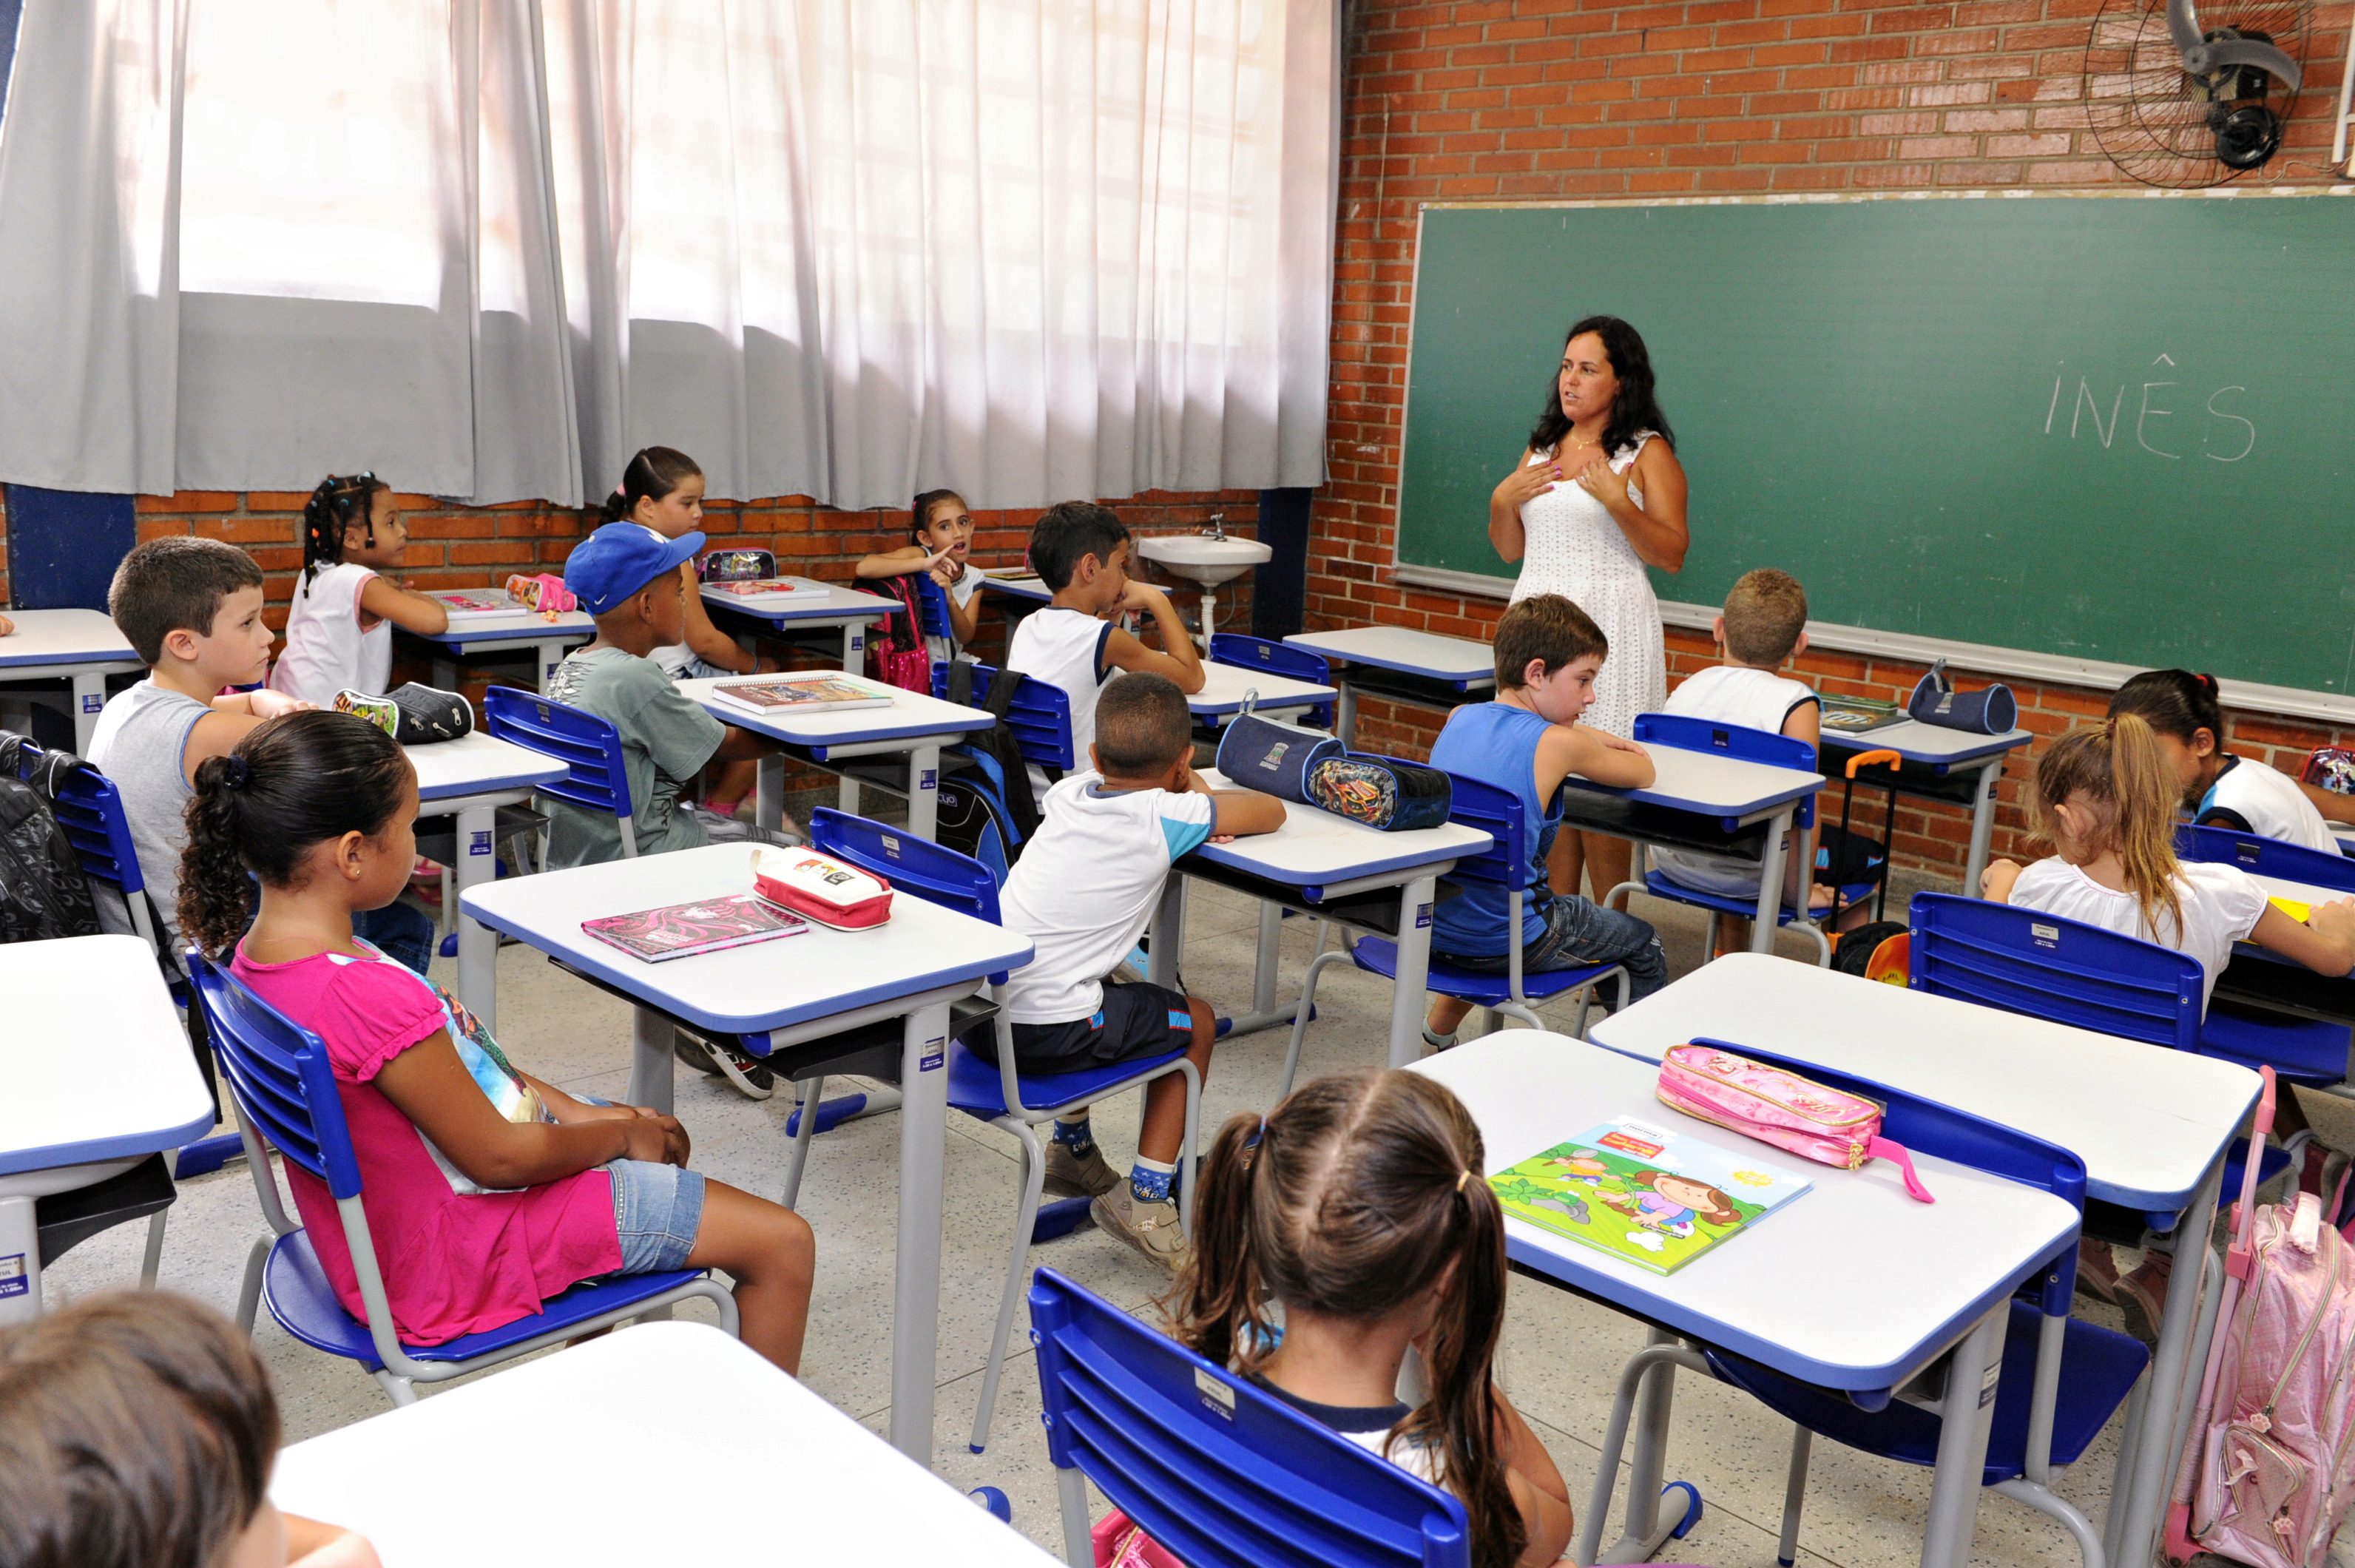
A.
pixel 489 1190
pixel 2106 798
pixel 940 533
pixel 339 625
pixel 2220 789
pixel 1359 1206
pixel 662 489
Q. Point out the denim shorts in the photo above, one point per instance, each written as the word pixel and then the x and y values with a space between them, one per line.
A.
pixel 1577 932
pixel 657 1208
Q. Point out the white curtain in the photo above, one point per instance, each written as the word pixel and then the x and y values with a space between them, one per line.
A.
pixel 1032 249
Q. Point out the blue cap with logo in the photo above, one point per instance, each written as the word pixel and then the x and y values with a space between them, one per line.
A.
pixel 619 558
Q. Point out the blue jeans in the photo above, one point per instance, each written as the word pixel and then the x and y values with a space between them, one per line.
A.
pixel 1579 933
pixel 404 932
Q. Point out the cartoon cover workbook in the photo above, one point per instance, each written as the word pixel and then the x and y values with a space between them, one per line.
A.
pixel 1656 1199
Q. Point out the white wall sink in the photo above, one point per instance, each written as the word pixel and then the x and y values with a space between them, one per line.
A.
pixel 1208 561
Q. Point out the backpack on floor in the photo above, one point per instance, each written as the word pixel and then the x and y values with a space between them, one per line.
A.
pixel 1877 950
pixel 43 893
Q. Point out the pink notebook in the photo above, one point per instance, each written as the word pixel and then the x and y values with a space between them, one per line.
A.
pixel 682 931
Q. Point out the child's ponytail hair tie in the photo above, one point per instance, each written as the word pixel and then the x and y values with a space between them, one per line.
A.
pixel 235 772
pixel 1462 1176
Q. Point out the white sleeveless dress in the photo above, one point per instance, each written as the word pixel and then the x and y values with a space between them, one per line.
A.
pixel 1574 548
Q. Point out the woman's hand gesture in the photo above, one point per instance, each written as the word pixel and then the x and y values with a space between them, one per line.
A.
pixel 1598 479
pixel 1526 483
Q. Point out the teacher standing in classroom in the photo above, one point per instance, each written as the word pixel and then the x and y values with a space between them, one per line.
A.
pixel 1597 496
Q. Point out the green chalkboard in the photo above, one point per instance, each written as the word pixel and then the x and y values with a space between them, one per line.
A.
pixel 2109 428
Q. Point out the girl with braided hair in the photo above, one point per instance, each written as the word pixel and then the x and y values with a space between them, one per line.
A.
pixel 339 626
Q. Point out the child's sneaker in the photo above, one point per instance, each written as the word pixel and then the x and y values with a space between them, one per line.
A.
pixel 2097 1270
pixel 1152 1229
pixel 752 1077
pixel 1078 1176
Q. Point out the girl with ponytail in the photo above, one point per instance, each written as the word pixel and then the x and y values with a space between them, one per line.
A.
pixel 339 626
pixel 940 542
pixel 2221 790
pixel 1359 1204
pixel 488 1190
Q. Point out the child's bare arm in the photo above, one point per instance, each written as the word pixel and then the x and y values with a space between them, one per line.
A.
pixel 233 718
pixel 964 619
pixel 1238 812
pixel 1175 658
pixel 742 745
pixel 898 562
pixel 1995 882
pixel 566 1108
pixel 1538 1488
pixel 432 1087
pixel 2334 806
pixel 708 642
pixel 388 601
pixel 1567 749
pixel 2324 942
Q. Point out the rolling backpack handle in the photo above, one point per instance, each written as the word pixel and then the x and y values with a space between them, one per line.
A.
pixel 1863 760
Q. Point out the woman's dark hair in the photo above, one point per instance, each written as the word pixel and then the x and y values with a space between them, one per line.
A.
pixel 293 782
pixel 1636 408
pixel 652 473
pixel 920 511
pixel 136 1428
pixel 341 501
pixel 2173 703
pixel 1352 1198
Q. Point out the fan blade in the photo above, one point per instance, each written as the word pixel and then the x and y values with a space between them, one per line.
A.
pixel 2227 53
pixel 2183 27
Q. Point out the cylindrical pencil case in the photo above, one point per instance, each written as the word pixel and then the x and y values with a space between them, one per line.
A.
pixel 1395 796
pixel 1262 755
pixel 1991 711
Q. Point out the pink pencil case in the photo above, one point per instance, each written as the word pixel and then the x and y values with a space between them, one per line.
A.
pixel 1830 1126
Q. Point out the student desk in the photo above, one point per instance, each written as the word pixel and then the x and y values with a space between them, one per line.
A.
pixel 1698 800
pixel 1791 1295
pixel 916 726
pixel 1939 764
pixel 2257 975
pixel 1226 688
pixel 470 778
pixel 777 996
pixel 95 1076
pixel 698 1406
pixel 1027 593
pixel 1333 869
pixel 550 639
pixel 79 647
pixel 846 610
pixel 1403 666
pixel 2153 1126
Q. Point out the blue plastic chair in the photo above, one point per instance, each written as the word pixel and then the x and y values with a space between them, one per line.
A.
pixel 992 1092
pixel 933 601
pixel 2262 857
pixel 587 745
pixel 1691 734
pixel 1220 1472
pixel 1245 652
pixel 1039 716
pixel 1498 813
pixel 2060 1380
pixel 286 1099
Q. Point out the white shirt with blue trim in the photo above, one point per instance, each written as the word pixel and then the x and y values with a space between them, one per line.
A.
pixel 1086 888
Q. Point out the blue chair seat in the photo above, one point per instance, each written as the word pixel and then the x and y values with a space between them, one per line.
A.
pixel 1379 955
pixel 305 1304
pixel 2098 1369
pixel 2300 1051
pixel 1659 886
pixel 976 1088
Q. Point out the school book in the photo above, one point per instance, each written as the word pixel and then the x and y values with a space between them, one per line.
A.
pixel 1007 573
pixel 682 931
pixel 478 603
pixel 1656 1199
pixel 768 590
pixel 1856 715
pixel 808 691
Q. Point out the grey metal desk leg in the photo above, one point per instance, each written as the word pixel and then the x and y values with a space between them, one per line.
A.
pixel 916 1296
pixel 1267 969
pixel 1770 884
pixel 854 653
pixel 445 672
pixel 479 946
pixel 652 1036
pixel 845 794
pixel 20 1250
pixel 1647 1460
pixel 1416 901
pixel 88 702
pixel 1982 824
pixel 1963 1421
pixel 1168 931
pixel 924 790
pixel 1345 713
pixel 769 791
pixel 546 657
pixel 2145 1463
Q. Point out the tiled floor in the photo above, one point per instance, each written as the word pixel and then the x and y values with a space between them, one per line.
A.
pixel 1561 1354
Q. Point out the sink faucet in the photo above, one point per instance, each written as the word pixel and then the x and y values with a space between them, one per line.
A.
pixel 1218 527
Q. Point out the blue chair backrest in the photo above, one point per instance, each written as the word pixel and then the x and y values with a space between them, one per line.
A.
pixel 933 601
pixel 1039 716
pixel 89 808
pixel 590 747
pixel 278 1073
pixel 2262 857
pixel 1244 652
pixel 2024 961
pixel 1497 813
pixel 933 872
pixel 1925 1127
pixel 1222 1474
pixel 1739 742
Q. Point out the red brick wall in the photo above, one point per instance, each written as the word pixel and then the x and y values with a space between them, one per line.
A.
pixel 1551 99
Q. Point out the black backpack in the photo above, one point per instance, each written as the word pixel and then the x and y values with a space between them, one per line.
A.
pixel 43 893
pixel 1012 773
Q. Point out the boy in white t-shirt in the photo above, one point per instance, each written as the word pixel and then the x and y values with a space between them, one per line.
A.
pixel 1081 551
pixel 1084 892
pixel 1761 628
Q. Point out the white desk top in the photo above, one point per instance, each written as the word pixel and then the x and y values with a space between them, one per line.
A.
pixel 475 763
pixel 765 985
pixel 822 1487
pixel 1933 743
pixel 1853 1285
pixel 1316 847
pixel 1029 588
pixel 523 625
pixel 837 604
pixel 1410 652
pixel 93 1064
pixel 1225 685
pixel 912 714
pixel 1710 785
pixel 65 637
pixel 2146 1122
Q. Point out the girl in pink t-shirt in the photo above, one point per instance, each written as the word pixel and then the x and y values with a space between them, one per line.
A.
pixel 488 1191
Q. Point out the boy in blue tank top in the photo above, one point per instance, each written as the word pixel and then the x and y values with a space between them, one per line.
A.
pixel 1528 741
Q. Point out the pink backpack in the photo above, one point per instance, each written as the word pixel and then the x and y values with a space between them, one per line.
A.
pixel 2270 1470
